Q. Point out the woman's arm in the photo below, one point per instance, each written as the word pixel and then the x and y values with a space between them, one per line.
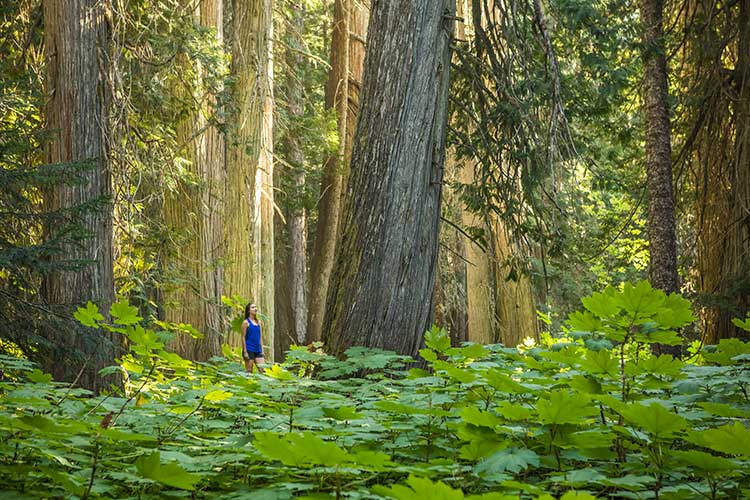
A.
pixel 245 324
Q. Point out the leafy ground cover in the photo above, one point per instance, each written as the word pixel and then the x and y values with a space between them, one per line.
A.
pixel 591 413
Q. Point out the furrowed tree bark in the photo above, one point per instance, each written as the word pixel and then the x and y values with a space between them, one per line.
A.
pixel 264 212
pixel 479 276
pixel 298 218
pixel 212 174
pixel 719 153
pixel 194 213
pixel 248 161
pixel 500 300
pixel 76 46
pixel 381 291
pixel 515 311
pixel 661 217
pixel 735 271
pixel 342 94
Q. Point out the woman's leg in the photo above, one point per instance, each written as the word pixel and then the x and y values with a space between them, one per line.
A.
pixel 259 362
pixel 248 365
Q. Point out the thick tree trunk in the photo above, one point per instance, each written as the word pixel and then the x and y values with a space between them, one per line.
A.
pixel 298 217
pixel 342 94
pixel 500 299
pixel 515 311
pixel 711 119
pixel 736 265
pixel 248 164
pixel 381 291
pixel 212 175
pixel 450 281
pixel 77 118
pixel 479 276
pixel 193 212
pixel 264 214
pixel 661 217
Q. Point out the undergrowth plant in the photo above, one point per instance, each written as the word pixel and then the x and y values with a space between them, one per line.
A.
pixel 589 413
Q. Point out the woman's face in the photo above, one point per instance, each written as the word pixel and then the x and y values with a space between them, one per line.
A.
pixel 253 309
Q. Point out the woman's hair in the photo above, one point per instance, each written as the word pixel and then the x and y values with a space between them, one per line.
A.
pixel 247 310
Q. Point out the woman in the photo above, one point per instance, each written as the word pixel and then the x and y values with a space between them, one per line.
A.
pixel 252 351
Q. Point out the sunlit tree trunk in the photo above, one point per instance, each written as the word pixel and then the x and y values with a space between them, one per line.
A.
pixel 500 299
pixel 248 161
pixel 385 268
pixel 479 275
pixel 450 281
pixel 342 94
pixel 515 312
pixel 77 117
pixel 264 214
pixel 212 174
pixel 193 211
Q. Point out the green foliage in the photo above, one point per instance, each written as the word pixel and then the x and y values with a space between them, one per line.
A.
pixel 482 422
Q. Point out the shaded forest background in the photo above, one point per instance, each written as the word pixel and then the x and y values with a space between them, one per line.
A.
pixel 189 156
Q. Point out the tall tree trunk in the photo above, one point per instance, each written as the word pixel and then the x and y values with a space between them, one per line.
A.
pixel 500 299
pixel 450 297
pixel 342 94
pixel 193 211
pixel 711 121
pixel 381 291
pixel 661 217
pixel 515 311
pixel 77 116
pixel 298 218
pixel 736 265
pixel 212 175
pixel 264 212
pixel 248 155
pixel 480 282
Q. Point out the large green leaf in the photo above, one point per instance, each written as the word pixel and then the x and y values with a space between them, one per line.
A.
pixel 730 439
pixel 600 363
pixel 703 461
pixel 171 474
pixel 654 419
pixel 124 314
pixel 300 450
pixel 602 304
pixel 564 407
pixel 510 460
pixel 89 315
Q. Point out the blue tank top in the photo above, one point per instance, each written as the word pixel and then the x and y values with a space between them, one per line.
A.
pixel 252 337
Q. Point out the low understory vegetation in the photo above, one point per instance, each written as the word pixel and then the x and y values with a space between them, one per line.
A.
pixel 589 413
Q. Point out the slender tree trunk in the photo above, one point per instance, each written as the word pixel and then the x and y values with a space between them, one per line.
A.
pixel 77 116
pixel 342 94
pixel 298 218
pixel 248 162
pixel 661 213
pixel 381 291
